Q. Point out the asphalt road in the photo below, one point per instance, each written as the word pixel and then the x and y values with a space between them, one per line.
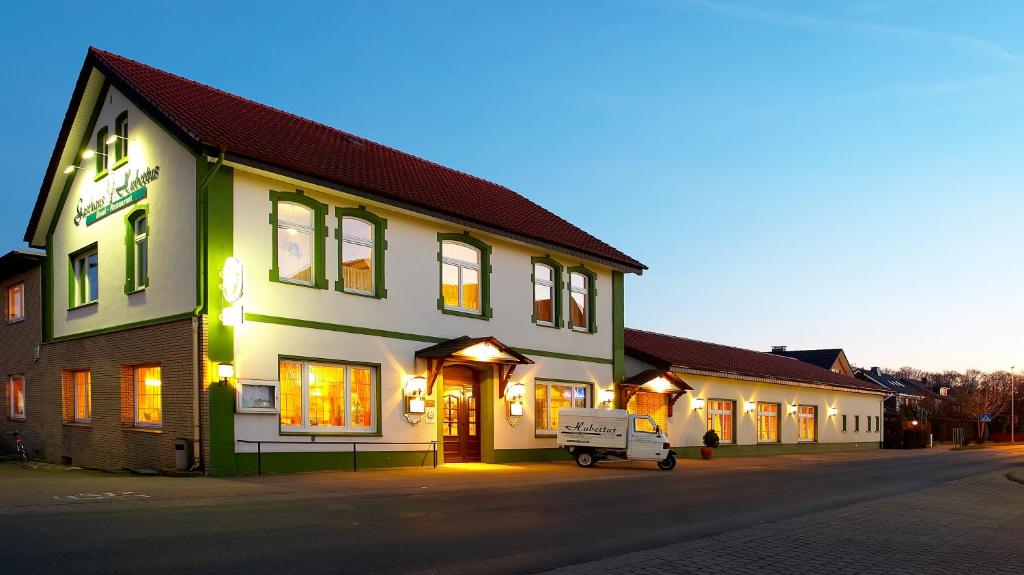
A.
pixel 478 522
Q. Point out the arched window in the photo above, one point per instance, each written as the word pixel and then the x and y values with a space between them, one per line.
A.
pixel 460 277
pixel 295 235
pixel 357 255
pixel 544 294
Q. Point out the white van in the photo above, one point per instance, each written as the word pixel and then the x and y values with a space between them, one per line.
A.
pixel 593 435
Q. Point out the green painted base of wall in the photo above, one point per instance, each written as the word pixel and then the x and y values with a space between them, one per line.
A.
pixel 775 449
pixel 525 455
pixel 279 462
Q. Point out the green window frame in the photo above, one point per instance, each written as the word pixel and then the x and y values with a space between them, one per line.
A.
pixel 121 144
pixel 556 288
pixel 379 249
pixel 591 299
pixel 485 312
pixel 319 229
pixel 83 287
pixel 101 154
pixel 136 250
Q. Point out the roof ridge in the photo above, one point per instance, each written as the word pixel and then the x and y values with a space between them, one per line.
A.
pixel 704 342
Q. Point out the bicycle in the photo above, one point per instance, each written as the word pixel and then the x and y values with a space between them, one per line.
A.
pixel 22 451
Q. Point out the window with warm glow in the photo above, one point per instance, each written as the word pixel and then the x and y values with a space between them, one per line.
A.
pixel 82 385
pixel 544 294
pixel 16 302
pixel 16 396
pixel 721 413
pixel 552 396
pixel 357 248
pixel 327 397
pixel 579 301
pixel 148 397
pixel 653 404
pixel 85 270
pixel 295 235
pixel 807 422
pixel 767 422
pixel 460 277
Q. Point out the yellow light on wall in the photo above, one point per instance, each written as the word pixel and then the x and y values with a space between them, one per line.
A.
pixel 750 406
pixel 792 408
pixel 481 352
pixel 607 396
pixel 88 154
pixel 514 402
pixel 415 398
pixel 225 370
pixel 659 385
pixel 698 403
pixel 832 411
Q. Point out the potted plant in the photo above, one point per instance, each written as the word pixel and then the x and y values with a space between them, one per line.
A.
pixel 710 443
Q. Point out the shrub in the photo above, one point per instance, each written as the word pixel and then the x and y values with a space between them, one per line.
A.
pixel 711 439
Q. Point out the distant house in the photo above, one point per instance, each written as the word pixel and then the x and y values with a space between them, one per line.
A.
pixel 903 391
pixel 831 359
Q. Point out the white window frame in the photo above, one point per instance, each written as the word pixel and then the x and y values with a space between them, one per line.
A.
pixel 348 428
pixel 141 279
pixel 587 388
pixel 13 318
pixel 711 412
pixel 778 421
pixel 464 265
pixel 585 290
pixel 283 223
pixel 550 284
pixel 135 398
pixel 83 285
pixel 800 416
pixel 369 243
pixel 11 397
pixel 74 396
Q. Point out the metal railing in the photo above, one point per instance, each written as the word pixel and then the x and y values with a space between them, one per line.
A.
pixel 355 449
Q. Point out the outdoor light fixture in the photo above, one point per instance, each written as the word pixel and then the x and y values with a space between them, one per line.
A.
pixel 832 411
pixel 750 406
pixel 607 396
pixel 481 352
pixel 792 408
pixel 71 169
pixel 914 423
pixel 225 371
pixel 113 138
pixel 514 402
pixel 698 403
pixel 90 153
pixel 415 399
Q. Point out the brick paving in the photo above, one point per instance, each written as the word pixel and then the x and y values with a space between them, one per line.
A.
pixel 970 525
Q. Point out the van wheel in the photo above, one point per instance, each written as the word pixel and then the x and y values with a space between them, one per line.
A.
pixel 667 464
pixel 584 459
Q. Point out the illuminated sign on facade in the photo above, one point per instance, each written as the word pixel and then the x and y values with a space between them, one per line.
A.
pixel 115 197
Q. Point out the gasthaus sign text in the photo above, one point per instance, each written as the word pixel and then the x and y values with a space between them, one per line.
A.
pixel 115 197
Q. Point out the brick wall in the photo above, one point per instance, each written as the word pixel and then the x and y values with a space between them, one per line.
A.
pixel 111 440
pixel 18 342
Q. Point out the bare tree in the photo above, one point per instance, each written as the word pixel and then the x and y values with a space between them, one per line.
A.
pixel 978 393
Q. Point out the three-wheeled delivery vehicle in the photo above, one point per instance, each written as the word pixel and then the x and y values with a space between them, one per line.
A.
pixel 593 435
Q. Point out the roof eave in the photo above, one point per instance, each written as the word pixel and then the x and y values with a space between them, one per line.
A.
pixel 777 380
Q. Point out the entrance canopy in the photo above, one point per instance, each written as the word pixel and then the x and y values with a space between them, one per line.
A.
pixel 467 349
pixel 655 381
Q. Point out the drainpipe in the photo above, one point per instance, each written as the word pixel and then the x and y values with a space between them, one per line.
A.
pixel 201 248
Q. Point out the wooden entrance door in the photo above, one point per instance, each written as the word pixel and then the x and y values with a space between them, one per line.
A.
pixel 460 414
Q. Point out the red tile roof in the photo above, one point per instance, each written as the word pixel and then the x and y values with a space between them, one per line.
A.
pixel 210 119
pixel 667 350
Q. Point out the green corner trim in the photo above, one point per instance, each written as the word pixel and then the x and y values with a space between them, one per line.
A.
pixel 130 284
pixel 319 235
pixel 380 245
pixel 309 324
pixel 556 278
pixel 591 296
pixel 485 273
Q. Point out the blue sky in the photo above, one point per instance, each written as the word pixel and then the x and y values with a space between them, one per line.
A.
pixel 814 174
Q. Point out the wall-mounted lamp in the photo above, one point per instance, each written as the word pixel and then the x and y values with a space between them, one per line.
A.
pixel 914 423
pixel 698 403
pixel 415 398
pixel 113 138
pixel 71 169
pixel 225 371
pixel 90 153
pixel 750 406
pixel 792 408
pixel 514 393
pixel 607 397
pixel 832 411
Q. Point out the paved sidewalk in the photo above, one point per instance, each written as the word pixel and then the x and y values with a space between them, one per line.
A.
pixel 966 526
